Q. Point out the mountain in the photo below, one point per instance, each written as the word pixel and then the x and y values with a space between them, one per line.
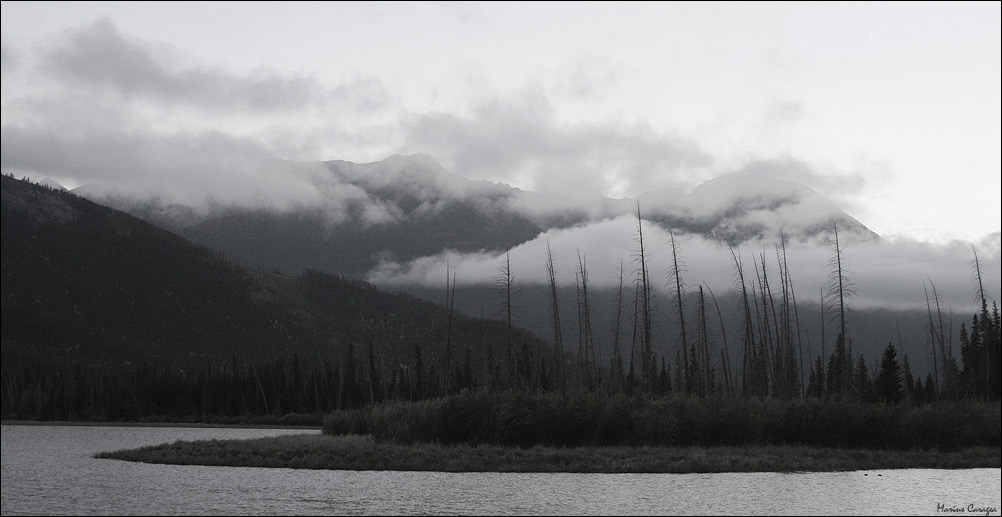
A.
pixel 51 183
pixel 399 209
pixel 348 217
pixel 87 284
pixel 739 207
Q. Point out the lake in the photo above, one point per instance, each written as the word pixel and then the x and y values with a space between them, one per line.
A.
pixel 50 470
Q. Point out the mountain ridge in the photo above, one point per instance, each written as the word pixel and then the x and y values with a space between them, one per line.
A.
pixel 356 215
pixel 86 284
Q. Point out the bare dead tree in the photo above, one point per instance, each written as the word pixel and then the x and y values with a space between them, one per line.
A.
pixel 792 352
pixel 450 301
pixel 822 358
pixel 675 277
pixel 617 377
pixel 725 357
pixel 839 288
pixel 984 323
pixel 587 337
pixel 748 346
pixel 933 339
pixel 559 374
pixel 646 350
pixel 504 284
pixel 764 352
pixel 706 384
pixel 772 335
pixel 839 282
pixel 635 336
pixel 788 286
pixel 946 354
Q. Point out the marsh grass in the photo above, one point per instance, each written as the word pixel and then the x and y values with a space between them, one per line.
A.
pixel 587 419
pixel 585 432
pixel 355 452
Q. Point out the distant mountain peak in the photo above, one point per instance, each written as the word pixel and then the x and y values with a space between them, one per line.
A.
pixel 348 214
pixel 48 209
pixel 740 206
pixel 419 159
pixel 53 184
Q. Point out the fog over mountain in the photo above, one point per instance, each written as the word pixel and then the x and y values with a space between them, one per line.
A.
pixel 402 221
pixel 190 143
pixel 103 104
pixel 884 274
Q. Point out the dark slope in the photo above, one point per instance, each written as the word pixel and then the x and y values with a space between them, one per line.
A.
pixel 89 284
pixel 347 217
pixel 399 209
pixel 292 242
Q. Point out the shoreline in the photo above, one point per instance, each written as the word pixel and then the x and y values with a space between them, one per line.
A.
pixel 357 452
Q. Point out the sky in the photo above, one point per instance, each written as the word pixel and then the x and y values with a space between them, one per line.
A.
pixel 891 110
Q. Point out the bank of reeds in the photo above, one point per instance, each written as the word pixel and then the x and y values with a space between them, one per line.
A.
pixel 586 419
pixel 353 452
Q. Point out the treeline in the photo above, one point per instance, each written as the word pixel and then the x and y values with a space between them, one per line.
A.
pixel 295 391
pixel 775 357
pixel 94 284
pixel 87 284
pixel 576 419
pixel 298 391
pixel 448 354
pixel 276 392
pixel 307 389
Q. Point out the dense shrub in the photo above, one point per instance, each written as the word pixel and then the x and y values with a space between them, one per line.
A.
pixel 588 419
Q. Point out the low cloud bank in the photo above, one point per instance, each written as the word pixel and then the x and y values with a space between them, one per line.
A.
pixel 884 274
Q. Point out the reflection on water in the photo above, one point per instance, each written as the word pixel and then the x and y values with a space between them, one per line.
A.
pixel 50 470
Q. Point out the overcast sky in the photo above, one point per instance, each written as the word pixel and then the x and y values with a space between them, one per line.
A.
pixel 892 109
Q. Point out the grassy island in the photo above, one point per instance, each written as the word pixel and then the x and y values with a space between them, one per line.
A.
pixel 582 432
pixel 354 452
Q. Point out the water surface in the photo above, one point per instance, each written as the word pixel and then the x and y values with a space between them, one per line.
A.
pixel 51 470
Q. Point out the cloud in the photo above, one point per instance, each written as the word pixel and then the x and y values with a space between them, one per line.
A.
pixel 138 119
pixel 521 141
pixel 883 274
pixel 782 113
pixel 98 105
pixel 99 56
pixel 788 168
pixel 185 168
pixel 589 77
pixel 9 58
pixel 149 120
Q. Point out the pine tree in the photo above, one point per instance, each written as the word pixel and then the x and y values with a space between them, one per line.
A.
pixel 862 384
pixel 815 386
pixel 909 381
pixel 888 383
pixel 930 391
pixel 419 379
pixel 839 374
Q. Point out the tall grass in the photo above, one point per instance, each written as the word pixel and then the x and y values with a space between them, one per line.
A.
pixel 586 419
pixel 353 452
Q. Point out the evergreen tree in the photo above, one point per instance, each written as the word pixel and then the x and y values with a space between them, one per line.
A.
pixel 419 380
pixel 375 381
pixel 815 386
pixel 930 391
pixel 839 374
pixel 664 378
pixel 888 383
pixel 350 390
pixel 909 381
pixel 862 384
